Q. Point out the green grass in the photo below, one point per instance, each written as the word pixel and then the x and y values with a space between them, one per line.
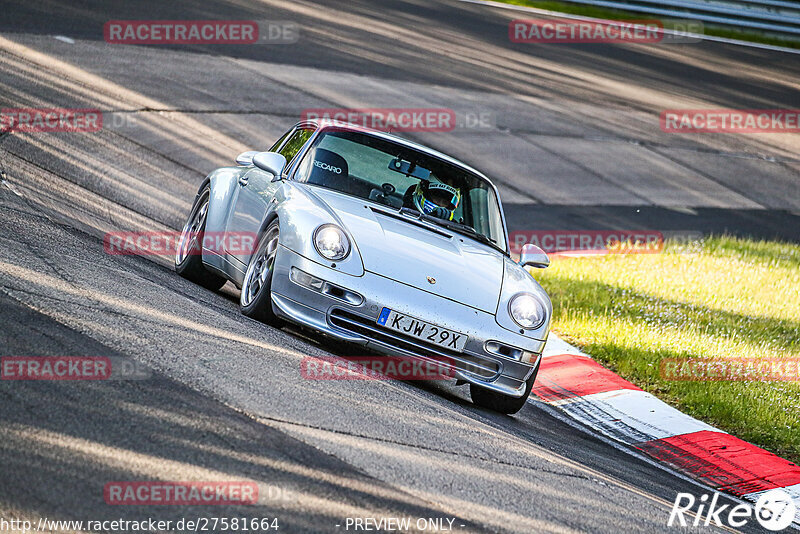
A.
pixel 731 298
pixel 616 14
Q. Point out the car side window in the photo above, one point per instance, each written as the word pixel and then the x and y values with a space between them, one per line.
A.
pixel 295 143
pixel 279 142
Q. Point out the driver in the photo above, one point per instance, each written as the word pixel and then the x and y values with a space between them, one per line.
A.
pixel 435 197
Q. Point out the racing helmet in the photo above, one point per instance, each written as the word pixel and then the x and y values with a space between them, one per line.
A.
pixel 436 198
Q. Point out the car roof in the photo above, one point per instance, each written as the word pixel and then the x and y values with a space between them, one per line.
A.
pixel 323 124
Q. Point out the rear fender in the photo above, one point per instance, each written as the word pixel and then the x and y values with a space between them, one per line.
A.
pixel 223 186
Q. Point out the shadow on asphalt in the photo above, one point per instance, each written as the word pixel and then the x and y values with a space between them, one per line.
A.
pixel 61 442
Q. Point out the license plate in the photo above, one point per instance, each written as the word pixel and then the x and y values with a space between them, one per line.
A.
pixel 431 333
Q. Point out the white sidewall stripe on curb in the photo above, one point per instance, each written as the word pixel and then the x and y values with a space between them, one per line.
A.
pixel 570 381
pixel 631 416
pixel 556 346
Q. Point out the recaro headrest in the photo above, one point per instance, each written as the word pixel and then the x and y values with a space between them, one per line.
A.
pixel 327 168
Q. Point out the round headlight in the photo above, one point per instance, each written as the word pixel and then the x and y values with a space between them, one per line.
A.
pixel 331 242
pixel 527 311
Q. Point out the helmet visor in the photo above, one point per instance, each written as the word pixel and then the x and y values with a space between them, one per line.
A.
pixel 442 195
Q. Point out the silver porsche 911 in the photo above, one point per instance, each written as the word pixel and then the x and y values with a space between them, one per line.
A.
pixel 373 239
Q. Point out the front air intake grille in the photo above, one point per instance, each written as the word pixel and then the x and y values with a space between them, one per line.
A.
pixel 484 368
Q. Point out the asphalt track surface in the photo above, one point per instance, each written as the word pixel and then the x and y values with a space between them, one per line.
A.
pixel 573 143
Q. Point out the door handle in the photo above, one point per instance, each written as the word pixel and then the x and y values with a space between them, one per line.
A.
pixel 243 179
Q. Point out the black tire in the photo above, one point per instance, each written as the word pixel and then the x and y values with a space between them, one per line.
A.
pixel 188 261
pixel 486 398
pixel 256 299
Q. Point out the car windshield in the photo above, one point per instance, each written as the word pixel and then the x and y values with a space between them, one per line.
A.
pixel 379 170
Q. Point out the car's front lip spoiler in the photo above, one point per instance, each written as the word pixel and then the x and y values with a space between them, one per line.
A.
pixel 317 320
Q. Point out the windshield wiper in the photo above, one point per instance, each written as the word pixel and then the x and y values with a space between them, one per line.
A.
pixel 462 229
pixel 470 232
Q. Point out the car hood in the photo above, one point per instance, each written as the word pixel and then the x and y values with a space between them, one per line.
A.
pixel 435 260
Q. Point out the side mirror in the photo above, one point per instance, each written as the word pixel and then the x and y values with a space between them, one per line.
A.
pixel 246 158
pixel 533 256
pixel 272 162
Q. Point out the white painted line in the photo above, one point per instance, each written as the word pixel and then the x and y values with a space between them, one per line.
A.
pixel 570 16
pixel 631 416
pixel 65 39
pixel 10 186
pixel 556 346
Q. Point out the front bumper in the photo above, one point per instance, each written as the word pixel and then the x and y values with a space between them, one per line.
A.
pixel 342 317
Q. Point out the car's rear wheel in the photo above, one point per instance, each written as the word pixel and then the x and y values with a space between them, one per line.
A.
pixel 498 402
pixel 256 298
pixel 188 258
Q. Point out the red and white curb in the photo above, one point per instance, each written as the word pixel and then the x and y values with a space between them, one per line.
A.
pixel 584 390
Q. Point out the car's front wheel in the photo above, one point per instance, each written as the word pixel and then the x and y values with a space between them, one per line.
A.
pixel 256 300
pixel 188 258
pixel 498 402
